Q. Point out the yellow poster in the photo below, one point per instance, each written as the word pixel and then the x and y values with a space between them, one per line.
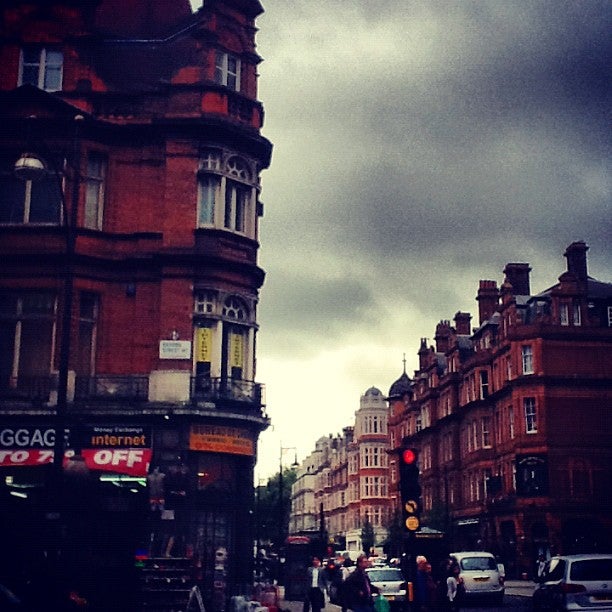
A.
pixel 203 344
pixel 219 439
pixel 236 351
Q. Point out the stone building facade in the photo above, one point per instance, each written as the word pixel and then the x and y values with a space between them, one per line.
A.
pixel 343 484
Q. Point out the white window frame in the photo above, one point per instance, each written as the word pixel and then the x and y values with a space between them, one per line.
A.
pixel 43 319
pixel 44 66
pixel 226 194
pixel 576 315
pixel 50 182
pixel 95 184
pixel 564 314
pixel 531 416
pixel 485 423
pixel 227 70
pixel 209 188
pixel 609 316
pixel 527 358
pixel 484 384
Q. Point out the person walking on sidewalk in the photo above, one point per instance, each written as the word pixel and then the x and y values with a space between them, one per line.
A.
pixel 359 589
pixel 316 585
pixel 456 588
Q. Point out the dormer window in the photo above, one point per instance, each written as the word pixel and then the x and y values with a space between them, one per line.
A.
pixel 41 67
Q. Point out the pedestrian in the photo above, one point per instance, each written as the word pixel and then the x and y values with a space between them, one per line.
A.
pixel 421 598
pixel 359 589
pixel 432 588
pixel 347 569
pixel 316 585
pixel 455 588
pixel 540 567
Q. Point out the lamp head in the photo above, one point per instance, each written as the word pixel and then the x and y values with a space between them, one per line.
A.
pixel 30 167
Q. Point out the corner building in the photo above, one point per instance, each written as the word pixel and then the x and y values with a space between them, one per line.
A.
pixel 147 119
pixel 512 419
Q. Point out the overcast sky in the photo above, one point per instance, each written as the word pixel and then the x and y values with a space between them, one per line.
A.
pixel 419 146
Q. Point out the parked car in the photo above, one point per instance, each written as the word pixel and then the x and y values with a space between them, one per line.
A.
pixel 480 575
pixel 575 582
pixel 390 583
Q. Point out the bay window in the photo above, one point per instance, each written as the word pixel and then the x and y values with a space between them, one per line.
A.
pixel 227 189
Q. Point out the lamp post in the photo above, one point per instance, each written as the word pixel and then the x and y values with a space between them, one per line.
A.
pixel 281 505
pixel 31 167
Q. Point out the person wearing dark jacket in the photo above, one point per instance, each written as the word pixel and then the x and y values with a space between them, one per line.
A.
pixel 316 585
pixel 358 588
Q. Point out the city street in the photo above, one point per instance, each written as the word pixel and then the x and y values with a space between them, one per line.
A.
pixel 518 597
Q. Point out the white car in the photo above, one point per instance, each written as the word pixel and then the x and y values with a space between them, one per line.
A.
pixel 576 582
pixel 480 575
pixel 391 584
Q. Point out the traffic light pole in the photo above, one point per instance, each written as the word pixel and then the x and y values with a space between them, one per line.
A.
pixel 410 495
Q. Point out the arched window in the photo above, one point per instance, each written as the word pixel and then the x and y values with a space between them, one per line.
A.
pixel 226 193
pixel 235 308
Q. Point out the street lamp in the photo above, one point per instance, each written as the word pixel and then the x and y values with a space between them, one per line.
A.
pixel 281 506
pixel 31 167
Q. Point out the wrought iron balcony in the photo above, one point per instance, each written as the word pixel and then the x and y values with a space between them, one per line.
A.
pixel 111 388
pixel 35 389
pixel 206 388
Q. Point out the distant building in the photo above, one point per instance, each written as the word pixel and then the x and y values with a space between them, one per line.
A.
pixel 344 482
pixel 513 419
pixel 147 118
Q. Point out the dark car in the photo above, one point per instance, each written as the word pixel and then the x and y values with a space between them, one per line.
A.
pixel 581 583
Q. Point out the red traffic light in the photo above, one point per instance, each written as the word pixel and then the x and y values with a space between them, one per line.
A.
pixel 408 456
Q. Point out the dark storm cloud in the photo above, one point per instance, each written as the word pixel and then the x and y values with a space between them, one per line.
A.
pixel 426 144
pixel 339 301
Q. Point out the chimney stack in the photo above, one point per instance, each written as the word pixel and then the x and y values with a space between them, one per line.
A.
pixel 462 323
pixel 576 254
pixel 517 274
pixel 442 337
pixel 423 352
pixel 488 300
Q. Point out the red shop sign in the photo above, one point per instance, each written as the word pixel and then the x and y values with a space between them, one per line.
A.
pixel 131 461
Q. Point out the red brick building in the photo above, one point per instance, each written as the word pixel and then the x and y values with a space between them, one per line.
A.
pixel 140 231
pixel 513 421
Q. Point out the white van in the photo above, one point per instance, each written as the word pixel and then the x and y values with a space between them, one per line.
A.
pixel 480 575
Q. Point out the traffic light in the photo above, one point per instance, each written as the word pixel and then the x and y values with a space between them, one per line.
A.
pixel 410 488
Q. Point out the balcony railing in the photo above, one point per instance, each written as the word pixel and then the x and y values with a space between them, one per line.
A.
pixel 106 388
pixel 35 389
pixel 111 388
pixel 212 389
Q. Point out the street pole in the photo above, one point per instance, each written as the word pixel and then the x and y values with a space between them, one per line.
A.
pixel 70 221
pixel 281 505
pixel 31 168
